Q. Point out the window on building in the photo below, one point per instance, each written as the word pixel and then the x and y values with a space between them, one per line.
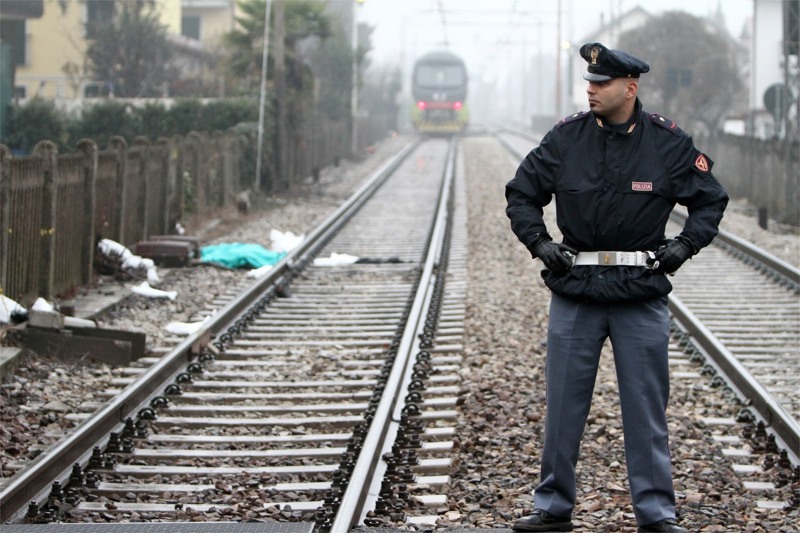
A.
pixel 190 26
pixel 97 12
pixel 13 32
pixel 91 91
pixel 97 89
pixel 20 92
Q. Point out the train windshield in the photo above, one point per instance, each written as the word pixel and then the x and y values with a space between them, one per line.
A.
pixel 440 76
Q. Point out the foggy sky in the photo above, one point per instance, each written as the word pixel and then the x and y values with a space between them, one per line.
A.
pixel 510 46
pixel 486 32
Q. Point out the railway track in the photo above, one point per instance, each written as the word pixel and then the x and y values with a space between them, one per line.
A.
pixel 736 311
pixel 305 387
pixel 741 308
pixel 272 412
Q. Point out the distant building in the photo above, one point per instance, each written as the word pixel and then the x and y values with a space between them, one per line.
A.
pixel 49 52
pixel 13 17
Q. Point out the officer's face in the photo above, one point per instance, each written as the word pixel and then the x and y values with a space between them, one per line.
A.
pixel 612 99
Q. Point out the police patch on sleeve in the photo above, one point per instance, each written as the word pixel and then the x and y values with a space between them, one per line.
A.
pixel 701 163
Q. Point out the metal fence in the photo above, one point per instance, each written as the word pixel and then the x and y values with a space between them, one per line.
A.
pixel 765 172
pixel 54 208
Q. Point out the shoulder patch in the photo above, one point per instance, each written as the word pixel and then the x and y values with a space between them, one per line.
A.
pixel 665 123
pixel 571 118
pixel 703 163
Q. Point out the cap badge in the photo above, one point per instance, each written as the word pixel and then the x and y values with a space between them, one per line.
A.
pixel 595 52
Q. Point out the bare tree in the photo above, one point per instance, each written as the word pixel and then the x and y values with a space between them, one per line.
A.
pixel 693 78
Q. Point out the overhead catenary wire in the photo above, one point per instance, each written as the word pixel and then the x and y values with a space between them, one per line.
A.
pixel 444 24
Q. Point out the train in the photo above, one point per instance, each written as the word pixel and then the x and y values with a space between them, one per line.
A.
pixel 439 91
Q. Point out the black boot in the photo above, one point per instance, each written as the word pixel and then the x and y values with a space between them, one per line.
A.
pixel 541 520
pixel 668 525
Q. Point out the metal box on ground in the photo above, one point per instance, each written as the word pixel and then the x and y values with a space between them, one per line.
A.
pixel 193 241
pixel 166 253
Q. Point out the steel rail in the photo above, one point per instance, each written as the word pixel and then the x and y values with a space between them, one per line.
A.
pixel 352 507
pixel 32 484
pixel 779 266
pixel 786 428
pixel 782 423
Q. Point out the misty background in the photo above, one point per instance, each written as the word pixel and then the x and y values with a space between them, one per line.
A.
pixel 522 55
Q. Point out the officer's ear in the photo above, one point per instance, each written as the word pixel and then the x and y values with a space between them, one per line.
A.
pixel 631 87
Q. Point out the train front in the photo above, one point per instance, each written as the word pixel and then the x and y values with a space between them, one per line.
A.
pixel 439 88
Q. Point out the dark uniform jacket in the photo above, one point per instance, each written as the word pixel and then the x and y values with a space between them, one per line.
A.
pixel 615 186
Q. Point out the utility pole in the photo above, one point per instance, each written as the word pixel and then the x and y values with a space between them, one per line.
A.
pixel 283 173
pixel 263 96
pixel 354 81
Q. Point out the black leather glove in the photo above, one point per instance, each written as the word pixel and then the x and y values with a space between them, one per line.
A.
pixel 553 255
pixel 673 253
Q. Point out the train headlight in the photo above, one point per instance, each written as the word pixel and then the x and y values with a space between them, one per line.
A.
pixel 457 105
pixel 422 105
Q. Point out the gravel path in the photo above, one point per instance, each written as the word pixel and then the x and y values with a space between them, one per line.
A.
pixel 503 389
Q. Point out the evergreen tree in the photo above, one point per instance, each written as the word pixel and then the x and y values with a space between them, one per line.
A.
pixel 130 51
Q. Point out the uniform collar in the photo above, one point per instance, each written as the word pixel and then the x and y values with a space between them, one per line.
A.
pixel 626 128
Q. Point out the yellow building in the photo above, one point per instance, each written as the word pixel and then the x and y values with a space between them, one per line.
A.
pixel 207 20
pixel 50 51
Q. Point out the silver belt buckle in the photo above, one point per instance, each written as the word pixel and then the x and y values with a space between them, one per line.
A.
pixel 649 255
pixel 626 258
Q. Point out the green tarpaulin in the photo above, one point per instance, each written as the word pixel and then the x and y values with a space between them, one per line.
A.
pixel 240 255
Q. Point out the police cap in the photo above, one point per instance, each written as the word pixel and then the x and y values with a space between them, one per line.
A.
pixel 606 64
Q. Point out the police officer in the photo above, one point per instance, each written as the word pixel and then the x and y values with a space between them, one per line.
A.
pixel 616 173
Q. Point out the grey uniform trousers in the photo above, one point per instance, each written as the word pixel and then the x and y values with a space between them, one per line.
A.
pixel 639 334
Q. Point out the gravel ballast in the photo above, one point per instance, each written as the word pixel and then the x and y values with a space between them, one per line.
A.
pixel 502 414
